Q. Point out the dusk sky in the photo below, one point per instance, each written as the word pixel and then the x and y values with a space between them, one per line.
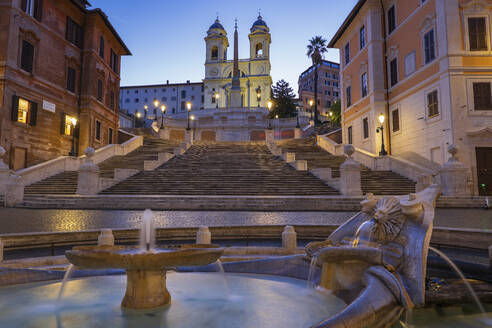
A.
pixel 166 37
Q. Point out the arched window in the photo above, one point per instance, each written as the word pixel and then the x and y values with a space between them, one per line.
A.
pixel 215 53
pixel 259 49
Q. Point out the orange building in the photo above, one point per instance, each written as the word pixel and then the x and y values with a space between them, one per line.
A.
pixel 426 65
pixel 59 65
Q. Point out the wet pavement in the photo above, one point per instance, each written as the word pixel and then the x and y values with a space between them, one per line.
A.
pixel 29 220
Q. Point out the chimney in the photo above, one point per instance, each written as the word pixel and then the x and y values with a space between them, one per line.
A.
pixel 188 81
pixel 167 82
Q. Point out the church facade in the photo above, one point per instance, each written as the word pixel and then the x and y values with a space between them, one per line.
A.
pixel 254 72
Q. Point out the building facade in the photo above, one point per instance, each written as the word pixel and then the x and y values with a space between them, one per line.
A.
pixel 328 86
pixel 59 79
pixel 254 72
pixel 426 65
pixel 174 96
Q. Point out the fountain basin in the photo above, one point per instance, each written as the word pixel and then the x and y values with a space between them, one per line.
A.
pixel 199 300
pixel 145 270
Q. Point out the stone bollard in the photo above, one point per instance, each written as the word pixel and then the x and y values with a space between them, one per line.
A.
pixel 289 157
pixel 1 251
pixel 4 173
pixel 289 238
pixel 188 136
pixel 350 174
pixel 269 136
pixel 490 256
pixel 88 178
pixel 423 181
pixel 15 191
pixel 454 176
pixel 105 238
pixel 203 236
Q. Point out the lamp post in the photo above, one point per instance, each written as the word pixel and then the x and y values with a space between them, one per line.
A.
pixel 163 110
pixel 311 102
pixel 216 99
pixel 72 150
pixel 145 111
pixel 269 104
pixel 381 129
pixel 258 95
pixel 188 106
pixel 192 117
pixel 298 125
pixel 331 118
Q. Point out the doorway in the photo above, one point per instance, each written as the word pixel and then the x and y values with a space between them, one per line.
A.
pixel 484 170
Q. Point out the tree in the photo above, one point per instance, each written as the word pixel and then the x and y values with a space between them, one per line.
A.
pixel 316 48
pixel 336 109
pixel 283 100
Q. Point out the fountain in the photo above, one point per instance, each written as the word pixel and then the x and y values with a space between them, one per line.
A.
pixel 145 267
pixel 376 261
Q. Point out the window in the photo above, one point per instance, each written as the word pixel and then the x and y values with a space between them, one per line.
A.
pixel 163 90
pixel 33 8
pixel 259 50
pixel 393 72
pixel 137 100
pixel 100 91
pixel 173 98
pixel 395 120
pixel 164 99
pixel 347 53
pixel 114 61
pixel 328 104
pixel 71 79
pixel 126 100
pixel 482 96
pixel 349 135
pixel 410 63
pixel 363 84
pixel 365 127
pixel 335 77
pixel 429 47
pixel 67 124
pixel 335 84
pixel 203 98
pixel 327 82
pixel 136 91
pixel 73 33
pixel 27 56
pixel 183 103
pixel 183 93
pixel 327 93
pixel 110 136
pixel 477 33
pixel 215 53
pixel 335 94
pixel 24 111
pixel 349 96
pixel 391 19
pixel 98 130
pixel 101 47
pixel 362 37
pixel 432 104
pixel 111 100
pixel 192 97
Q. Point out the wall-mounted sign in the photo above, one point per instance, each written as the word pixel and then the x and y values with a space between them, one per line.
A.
pixel 49 106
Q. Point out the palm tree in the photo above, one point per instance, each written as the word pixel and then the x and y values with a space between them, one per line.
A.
pixel 316 48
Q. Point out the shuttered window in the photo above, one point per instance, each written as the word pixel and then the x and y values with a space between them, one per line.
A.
pixel 33 8
pixel 391 19
pixel 27 56
pixel 349 96
pixel 71 79
pixel 365 127
pixel 429 46
pixel 477 33
pixel 24 111
pixel 395 115
pixel 432 104
pixel 73 32
pixel 100 90
pixel 101 47
pixel 393 72
pixel 349 134
pixel 482 96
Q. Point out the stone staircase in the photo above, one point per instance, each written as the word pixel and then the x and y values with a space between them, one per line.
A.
pixel 223 169
pixel 376 182
pixel 66 182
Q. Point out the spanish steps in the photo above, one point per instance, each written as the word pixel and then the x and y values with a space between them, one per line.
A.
pixel 66 182
pixel 223 169
pixel 376 182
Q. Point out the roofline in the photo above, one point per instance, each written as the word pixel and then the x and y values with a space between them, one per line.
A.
pixel 326 61
pixel 346 23
pixel 158 85
pixel 111 28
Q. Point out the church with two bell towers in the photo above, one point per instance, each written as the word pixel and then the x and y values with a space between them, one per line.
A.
pixel 233 83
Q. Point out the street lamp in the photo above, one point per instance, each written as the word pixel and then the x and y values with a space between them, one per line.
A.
pixel 145 110
pixel 163 110
pixel 258 95
pixel 269 104
pixel 311 102
pixel 216 100
pixel 188 106
pixel 381 129
pixel 72 151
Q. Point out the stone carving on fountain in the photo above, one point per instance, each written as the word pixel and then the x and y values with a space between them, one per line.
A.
pixel 376 261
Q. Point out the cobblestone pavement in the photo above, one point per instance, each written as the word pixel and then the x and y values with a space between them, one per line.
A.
pixel 28 220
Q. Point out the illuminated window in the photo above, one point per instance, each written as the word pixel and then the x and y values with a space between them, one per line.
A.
pixel 23 111
pixel 68 125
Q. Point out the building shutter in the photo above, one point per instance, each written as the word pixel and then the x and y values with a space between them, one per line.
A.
pixel 62 123
pixel 38 9
pixel 24 5
pixel 15 108
pixel 33 113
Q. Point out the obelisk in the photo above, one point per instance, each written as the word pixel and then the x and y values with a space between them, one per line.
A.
pixel 236 87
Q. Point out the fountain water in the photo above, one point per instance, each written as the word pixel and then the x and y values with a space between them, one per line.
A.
pixel 312 270
pixel 224 277
pixel 461 275
pixel 64 282
pixel 147 232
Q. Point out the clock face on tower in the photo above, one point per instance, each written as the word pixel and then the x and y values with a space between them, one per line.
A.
pixel 260 70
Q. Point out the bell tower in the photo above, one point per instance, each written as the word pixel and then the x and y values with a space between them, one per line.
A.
pixel 216 43
pixel 259 40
